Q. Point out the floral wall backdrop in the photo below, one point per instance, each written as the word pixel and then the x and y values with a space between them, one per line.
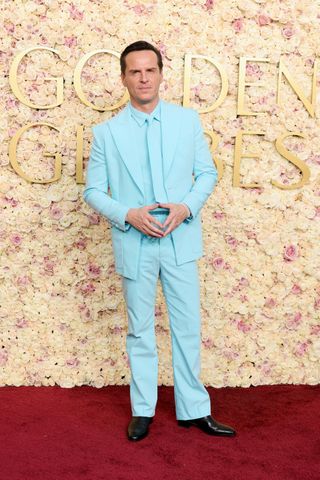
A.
pixel 62 312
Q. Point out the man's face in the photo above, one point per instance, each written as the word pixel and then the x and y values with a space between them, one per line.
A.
pixel 142 76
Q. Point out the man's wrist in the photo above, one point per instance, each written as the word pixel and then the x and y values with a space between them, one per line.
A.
pixel 127 215
pixel 187 208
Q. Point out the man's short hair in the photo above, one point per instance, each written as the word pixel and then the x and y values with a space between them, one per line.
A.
pixel 136 46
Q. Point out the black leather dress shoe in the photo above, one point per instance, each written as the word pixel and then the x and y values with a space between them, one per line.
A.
pixel 209 425
pixel 138 427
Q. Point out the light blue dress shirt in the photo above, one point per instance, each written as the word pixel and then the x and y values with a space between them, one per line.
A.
pixel 139 127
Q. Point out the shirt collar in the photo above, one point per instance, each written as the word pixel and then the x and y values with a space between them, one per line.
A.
pixel 141 117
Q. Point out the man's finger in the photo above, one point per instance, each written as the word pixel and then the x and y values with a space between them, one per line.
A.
pixel 169 219
pixel 153 206
pixel 153 230
pixel 168 230
pixel 166 205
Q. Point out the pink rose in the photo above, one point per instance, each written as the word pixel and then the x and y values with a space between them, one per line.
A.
pixel 55 212
pixel 209 4
pixel 87 288
pixel 117 329
pixel 250 234
pixel 242 326
pixel 72 362
pixel 11 103
pixel 244 282
pixel 75 14
pixel 270 302
pixel 23 280
pixel 81 244
pixel 70 41
pixel 238 24
pixel 218 215
pixel 233 242
pixel 94 218
pixel 22 323
pixel 294 321
pixel 263 20
pixel 16 239
pixel 290 253
pixel 207 343
pixel 141 9
pixel 301 348
pixel 288 31
pixel 9 27
pixel 296 289
pixel 217 263
pixel 93 270
pixel 254 70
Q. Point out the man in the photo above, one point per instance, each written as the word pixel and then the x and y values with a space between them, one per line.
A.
pixel 146 155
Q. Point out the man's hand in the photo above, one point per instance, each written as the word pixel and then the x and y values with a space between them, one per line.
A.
pixel 141 219
pixel 178 213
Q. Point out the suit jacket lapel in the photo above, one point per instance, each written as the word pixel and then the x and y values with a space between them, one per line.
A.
pixel 125 142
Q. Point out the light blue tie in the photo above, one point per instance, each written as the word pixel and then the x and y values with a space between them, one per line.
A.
pixel 155 158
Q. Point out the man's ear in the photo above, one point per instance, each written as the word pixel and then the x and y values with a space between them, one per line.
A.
pixel 123 79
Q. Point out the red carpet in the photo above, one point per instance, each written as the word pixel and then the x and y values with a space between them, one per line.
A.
pixel 53 433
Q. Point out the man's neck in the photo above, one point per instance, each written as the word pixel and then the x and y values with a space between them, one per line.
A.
pixel 145 107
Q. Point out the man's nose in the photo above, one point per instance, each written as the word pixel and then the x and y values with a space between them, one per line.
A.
pixel 143 77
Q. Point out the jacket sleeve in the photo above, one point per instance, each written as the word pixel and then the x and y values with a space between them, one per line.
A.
pixel 97 184
pixel 205 173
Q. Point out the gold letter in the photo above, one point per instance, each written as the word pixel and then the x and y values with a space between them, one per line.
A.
pixel 293 159
pixel 78 87
pixel 187 80
pixel 309 106
pixel 242 84
pixel 237 160
pixel 13 80
pixel 13 155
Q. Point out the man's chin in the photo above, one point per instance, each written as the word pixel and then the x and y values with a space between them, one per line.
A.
pixel 146 99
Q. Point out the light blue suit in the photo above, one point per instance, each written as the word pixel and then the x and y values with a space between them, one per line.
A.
pixel 114 184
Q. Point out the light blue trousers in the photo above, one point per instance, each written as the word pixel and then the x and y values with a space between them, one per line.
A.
pixel 180 286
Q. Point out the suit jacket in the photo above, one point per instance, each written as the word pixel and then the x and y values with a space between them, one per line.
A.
pixel 114 181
